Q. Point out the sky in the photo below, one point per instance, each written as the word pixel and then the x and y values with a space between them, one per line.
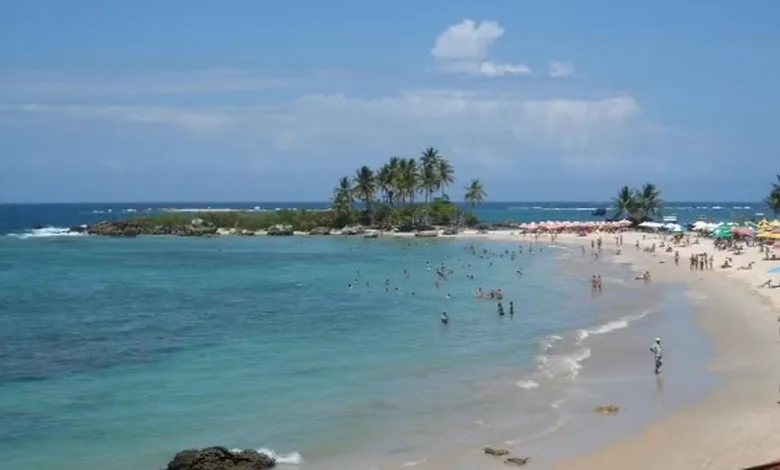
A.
pixel 243 100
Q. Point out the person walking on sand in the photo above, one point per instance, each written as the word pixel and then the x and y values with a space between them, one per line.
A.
pixel 658 354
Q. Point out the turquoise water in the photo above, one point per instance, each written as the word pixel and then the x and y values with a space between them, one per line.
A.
pixel 115 354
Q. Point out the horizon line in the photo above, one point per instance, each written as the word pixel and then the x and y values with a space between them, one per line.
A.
pixel 562 201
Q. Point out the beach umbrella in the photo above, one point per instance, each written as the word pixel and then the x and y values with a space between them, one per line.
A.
pixel 775 270
pixel 722 233
pixel 743 231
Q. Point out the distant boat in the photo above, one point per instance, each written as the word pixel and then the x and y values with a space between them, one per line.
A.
pixel 670 219
pixel 600 212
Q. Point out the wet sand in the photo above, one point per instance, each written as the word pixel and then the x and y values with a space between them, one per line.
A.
pixel 737 425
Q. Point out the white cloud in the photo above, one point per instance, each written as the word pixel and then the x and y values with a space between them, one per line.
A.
pixel 219 80
pixel 193 119
pixel 560 69
pixel 463 48
pixel 467 40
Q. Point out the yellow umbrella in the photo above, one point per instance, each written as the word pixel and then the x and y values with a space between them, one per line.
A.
pixel 775 223
pixel 769 235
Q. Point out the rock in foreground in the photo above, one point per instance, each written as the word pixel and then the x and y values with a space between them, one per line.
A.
pixel 220 458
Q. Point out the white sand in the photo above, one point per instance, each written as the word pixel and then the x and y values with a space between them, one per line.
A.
pixel 739 424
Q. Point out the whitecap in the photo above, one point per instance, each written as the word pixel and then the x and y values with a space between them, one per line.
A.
pixel 46 232
pixel 293 458
pixel 565 366
pixel 610 326
pixel 526 384
pixel 547 343
pixel 413 463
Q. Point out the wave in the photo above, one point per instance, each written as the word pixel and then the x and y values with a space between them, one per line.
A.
pixel 609 326
pixel 541 208
pixel 547 343
pixel 413 463
pixel 565 366
pixel 46 232
pixel 293 458
pixel 527 384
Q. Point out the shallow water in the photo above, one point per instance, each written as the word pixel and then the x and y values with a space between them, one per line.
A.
pixel 115 354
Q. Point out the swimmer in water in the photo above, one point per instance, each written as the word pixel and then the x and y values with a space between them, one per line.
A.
pixel 511 308
pixel 444 318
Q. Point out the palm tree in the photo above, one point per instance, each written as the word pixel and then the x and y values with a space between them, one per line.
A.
pixel 773 200
pixel 649 201
pixel 475 193
pixel 446 174
pixel 429 172
pixel 625 203
pixel 384 182
pixel 408 179
pixel 365 185
pixel 343 201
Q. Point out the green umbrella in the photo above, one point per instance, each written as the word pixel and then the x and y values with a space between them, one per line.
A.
pixel 722 233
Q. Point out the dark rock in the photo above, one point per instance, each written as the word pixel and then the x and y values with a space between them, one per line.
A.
pixel 427 234
pixel 357 230
pixel 220 458
pixel 277 230
pixel 519 461
pixel 37 227
pixel 319 231
pixel 495 451
pixel 122 228
pixel 78 229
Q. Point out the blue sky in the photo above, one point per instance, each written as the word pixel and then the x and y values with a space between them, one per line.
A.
pixel 258 101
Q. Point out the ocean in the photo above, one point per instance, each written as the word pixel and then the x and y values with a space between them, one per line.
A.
pixel 325 351
pixel 16 218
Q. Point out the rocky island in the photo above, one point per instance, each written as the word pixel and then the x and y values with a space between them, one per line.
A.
pixel 399 196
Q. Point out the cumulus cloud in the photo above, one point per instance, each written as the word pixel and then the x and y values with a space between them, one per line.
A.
pixel 560 69
pixel 463 48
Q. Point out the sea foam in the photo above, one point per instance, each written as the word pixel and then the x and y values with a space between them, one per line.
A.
pixel 46 232
pixel 293 458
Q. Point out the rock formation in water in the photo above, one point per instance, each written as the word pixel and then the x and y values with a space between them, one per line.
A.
pixel 128 228
pixel 277 230
pixel 220 458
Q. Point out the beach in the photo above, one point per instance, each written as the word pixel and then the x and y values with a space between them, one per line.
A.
pixel 737 425
pixel 415 396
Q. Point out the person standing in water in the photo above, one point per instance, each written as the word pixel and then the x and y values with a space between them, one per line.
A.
pixel 444 318
pixel 511 308
pixel 658 354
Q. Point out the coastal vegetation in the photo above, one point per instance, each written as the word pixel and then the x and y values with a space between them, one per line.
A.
pixel 406 194
pixel 638 204
pixel 773 199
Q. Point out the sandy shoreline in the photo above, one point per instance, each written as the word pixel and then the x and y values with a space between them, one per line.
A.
pixel 738 425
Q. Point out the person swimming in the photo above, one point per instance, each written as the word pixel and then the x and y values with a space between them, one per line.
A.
pixel 444 318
